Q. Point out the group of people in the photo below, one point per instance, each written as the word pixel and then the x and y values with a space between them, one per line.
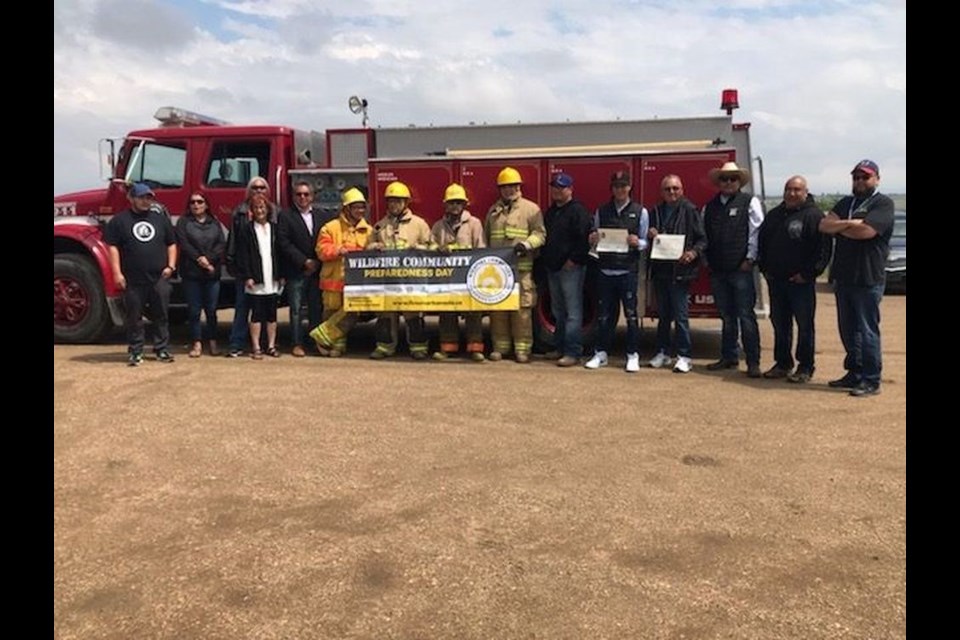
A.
pixel 301 249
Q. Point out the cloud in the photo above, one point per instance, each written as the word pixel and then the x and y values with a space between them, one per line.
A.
pixel 822 83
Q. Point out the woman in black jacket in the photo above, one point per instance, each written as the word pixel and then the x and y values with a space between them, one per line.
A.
pixel 201 244
pixel 257 266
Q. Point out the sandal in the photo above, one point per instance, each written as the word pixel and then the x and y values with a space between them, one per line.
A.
pixel 257 355
pixel 273 352
pixel 196 350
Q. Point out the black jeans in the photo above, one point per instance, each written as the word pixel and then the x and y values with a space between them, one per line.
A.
pixel 154 300
pixel 791 302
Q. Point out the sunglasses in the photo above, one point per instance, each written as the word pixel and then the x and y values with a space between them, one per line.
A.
pixel 729 178
pixel 198 201
pixel 671 188
pixel 259 187
pixel 861 176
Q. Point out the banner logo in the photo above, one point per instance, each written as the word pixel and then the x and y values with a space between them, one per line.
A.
pixel 490 280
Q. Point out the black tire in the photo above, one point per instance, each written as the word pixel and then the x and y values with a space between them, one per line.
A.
pixel 80 313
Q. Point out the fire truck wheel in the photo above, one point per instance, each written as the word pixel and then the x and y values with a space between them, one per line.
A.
pixel 79 305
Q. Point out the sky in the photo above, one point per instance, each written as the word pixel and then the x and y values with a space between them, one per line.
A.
pixel 823 84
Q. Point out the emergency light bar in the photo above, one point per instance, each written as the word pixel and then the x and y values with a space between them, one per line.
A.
pixel 177 117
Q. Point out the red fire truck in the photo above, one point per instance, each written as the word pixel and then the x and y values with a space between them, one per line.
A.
pixel 189 152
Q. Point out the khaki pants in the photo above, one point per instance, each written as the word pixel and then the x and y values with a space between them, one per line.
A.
pixel 515 328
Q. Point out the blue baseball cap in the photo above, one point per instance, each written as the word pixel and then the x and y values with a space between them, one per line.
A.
pixel 562 180
pixel 867 166
pixel 139 190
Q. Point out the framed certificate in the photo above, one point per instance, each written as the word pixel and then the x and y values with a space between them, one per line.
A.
pixel 667 247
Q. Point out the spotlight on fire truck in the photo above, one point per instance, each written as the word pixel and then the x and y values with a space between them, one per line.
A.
pixel 359 105
pixel 177 117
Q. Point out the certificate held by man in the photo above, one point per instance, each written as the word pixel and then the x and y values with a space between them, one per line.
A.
pixel 667 247
pixel 612 240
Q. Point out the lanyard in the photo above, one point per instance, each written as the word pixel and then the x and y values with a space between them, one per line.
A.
pixel 862 205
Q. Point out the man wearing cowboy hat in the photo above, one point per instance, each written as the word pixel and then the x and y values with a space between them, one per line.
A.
pixel 862 224
pixel 732 221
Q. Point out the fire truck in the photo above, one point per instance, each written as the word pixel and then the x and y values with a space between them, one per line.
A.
pixel 188 152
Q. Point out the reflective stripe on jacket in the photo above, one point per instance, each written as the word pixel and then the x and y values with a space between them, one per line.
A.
pixel 333 235
pixel 520 220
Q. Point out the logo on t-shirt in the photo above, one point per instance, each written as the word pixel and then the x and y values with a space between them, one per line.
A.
pixel 144 231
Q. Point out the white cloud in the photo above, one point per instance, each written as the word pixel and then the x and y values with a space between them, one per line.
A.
pixel 823 84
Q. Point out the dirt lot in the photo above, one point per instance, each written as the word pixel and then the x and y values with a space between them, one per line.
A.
pixel 314 498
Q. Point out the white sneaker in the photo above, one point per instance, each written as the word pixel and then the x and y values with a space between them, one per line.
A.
pixel 598 360
pixel 659 360
pixel 683 365
pixel 633 362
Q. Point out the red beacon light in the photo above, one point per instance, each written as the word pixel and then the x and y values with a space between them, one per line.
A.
pixel 177 117
pixel 729 101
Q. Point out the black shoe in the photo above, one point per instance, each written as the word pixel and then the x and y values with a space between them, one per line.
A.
pixel 848 381
pixel 722 364
pixel 753 371
pixel 799 376
pixel 135 359
pixel 865 389
pixel 164 356
pixel 775 372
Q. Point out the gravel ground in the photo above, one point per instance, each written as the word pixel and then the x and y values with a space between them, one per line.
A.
pixel 316 498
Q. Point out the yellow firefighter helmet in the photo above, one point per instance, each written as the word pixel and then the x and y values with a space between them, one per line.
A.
pixel 455 192
pixel 397 190
pixel 508 175
pixel 351 196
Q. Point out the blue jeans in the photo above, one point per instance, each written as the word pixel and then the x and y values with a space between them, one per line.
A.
pixel 613 291
pixel 735 296
pixel 791 302
pixel 240 330
pixel 297 290
pixel 202 295
pixel 858 315
pixel 566 304
pixel 673 307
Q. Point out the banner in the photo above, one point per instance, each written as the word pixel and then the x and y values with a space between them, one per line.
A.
pixel 418 280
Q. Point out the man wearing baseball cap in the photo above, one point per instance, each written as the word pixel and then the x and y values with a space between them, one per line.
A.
pixel 564 255
pixel 143 255
pixel 862 224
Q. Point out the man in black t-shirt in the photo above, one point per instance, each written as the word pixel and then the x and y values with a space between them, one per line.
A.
pixel 143 256
pixel 862 224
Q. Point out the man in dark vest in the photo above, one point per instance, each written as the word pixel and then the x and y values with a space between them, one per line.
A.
pixel 732 221
pixel 619 271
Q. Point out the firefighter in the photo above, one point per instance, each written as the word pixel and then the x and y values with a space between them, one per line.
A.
pixel 514 221
pixel 458 230
pixel 349 232
pixel 400 230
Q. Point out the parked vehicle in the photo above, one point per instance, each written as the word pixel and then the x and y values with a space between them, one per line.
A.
pixel 191 153
pixel 897 260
